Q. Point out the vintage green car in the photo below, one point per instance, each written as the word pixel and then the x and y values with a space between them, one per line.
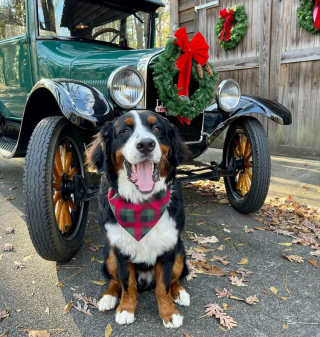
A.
pixel 66 67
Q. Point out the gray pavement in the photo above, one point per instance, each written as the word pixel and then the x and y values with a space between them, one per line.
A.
pixel 27 293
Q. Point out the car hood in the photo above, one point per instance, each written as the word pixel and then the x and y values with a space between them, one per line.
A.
pixel 95 67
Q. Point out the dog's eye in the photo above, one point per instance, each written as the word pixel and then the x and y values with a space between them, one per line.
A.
pixel 126 131
pixel 156 129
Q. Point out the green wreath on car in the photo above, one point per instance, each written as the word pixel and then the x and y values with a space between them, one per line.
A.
pixel 228 37
pixel 309 15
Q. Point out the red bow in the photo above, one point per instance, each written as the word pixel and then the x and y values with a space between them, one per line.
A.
pixel 197 49
pixel 316 14
pixel 228 16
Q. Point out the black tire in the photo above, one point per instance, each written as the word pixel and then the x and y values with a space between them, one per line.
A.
pixel 259 165
pixel 46 141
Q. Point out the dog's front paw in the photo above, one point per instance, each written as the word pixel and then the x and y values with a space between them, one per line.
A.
pixel 107 302
pixel 174 322
pixel 183 298
pixel 124 317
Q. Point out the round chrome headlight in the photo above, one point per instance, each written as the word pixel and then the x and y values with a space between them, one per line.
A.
pixel 228 95
pixel 126 87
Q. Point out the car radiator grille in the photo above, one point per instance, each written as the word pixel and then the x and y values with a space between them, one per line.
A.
pixel 189 133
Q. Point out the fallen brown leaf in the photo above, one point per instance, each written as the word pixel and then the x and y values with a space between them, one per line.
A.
pixel 274 290
pixel 108 331
pixel 198 256
pixel 7 247
pixel 316 253
pixel 243 261
pixel 215 271
pixel 67 307
pixel 313 262
pixel 5 334
pixel 235 281
pixel 222 293
pixel 295 258
pixel 101 283
pixel 186 334
pixel 4 314
pixel 252 300
pixel 18 265
pixel 9 198
pixel 221 247
pixel 9 230
pixel 202 250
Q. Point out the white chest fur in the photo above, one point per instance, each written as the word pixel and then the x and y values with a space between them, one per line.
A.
pixel 160 239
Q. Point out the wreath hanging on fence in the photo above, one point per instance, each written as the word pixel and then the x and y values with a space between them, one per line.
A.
pixel 228 37
pixel 309 15
pixel 188 59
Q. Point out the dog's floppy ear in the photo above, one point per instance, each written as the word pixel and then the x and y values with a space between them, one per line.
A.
pixel 180 151
pixel 96 152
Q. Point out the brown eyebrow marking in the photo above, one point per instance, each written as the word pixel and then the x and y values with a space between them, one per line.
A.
pixel 129 121
pixel 152 119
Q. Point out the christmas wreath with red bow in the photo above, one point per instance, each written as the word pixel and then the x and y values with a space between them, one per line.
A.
pixel 227 36
pixel 309 15
pixel 188 59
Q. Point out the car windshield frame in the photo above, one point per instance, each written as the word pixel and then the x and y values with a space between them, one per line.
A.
pixel 127 10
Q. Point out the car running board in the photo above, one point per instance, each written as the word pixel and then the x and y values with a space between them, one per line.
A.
pixel 7 146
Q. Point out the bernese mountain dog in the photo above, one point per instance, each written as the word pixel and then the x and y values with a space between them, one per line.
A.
pixel 141 211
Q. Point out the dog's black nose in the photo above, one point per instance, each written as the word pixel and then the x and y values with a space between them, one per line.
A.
pixel 146 145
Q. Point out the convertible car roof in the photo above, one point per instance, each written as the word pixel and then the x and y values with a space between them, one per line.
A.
pixel 76 11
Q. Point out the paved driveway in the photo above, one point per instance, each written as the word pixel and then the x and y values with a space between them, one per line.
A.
pixel 36 302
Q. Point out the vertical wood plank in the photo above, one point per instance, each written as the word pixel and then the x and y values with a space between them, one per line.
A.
pixel 174 14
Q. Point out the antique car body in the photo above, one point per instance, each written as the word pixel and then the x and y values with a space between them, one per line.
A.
pixel 44 74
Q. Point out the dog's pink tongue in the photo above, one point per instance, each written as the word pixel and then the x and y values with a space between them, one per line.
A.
pixel 144 176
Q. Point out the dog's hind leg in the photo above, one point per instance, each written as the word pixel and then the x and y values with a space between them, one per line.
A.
pixel 109 298
pixel 128 303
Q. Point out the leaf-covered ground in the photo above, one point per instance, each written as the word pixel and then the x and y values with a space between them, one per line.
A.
pixel 251 275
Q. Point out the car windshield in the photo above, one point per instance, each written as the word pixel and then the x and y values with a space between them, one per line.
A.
pixel 96 20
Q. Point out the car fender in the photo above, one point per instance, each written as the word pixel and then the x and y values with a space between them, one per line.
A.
pixel 81 104
pixel 216 120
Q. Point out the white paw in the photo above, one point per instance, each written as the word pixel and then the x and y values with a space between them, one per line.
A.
pixel 124 317
pixel 107 302
pixel 176 321
pixel 183 298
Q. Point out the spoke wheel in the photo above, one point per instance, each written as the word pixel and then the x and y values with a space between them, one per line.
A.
pixel 247 144
pixel 56 225
pixel 243 155
pixel 65 166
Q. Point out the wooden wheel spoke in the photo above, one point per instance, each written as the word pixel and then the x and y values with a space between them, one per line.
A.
pixel 56 186
pixel 248 164
pixel 58 210
pixel 67 215
pixel 239 182
pixel 249 155
pixel 67 162
pixel 249 174
pixel 56 174
pixel 238 146
pixel 237 154
pixel 56 197
pixel 247 182
pixel 72 205
pixel 243 144
pixel 57 162
pixel 246 150
pixel 63 155
pixel 72 172
pixel 62 217
pixel 243 185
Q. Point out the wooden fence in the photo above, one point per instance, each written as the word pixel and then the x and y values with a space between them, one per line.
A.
pixel 276 59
